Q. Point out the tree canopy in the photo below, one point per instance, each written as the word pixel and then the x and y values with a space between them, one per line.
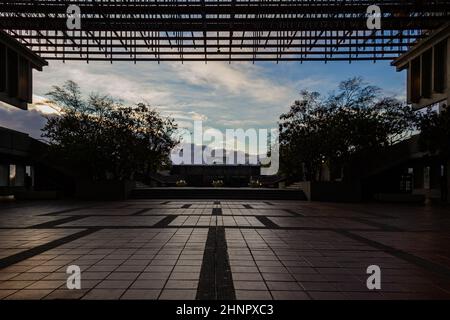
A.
pixel 104 139
pixel 356 119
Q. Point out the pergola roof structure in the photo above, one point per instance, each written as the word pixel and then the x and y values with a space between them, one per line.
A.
pixel 224 30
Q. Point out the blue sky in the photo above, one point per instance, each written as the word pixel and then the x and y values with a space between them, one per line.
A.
pixel 237 95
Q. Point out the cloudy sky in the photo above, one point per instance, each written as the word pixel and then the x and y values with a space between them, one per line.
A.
pixel 237 95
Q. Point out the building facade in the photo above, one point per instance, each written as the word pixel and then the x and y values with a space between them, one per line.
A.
pixel 428 69
pixel 16 169
pixel 428 87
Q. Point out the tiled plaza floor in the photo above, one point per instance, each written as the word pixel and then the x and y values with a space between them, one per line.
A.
pixel 182 249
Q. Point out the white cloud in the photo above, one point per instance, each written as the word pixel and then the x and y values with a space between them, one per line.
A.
pixel 44 106
pixel 236 79
pixel 104 79
pixel 217 93
pixel 31 121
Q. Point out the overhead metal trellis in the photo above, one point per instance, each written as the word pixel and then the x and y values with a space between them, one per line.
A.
pixel 224 30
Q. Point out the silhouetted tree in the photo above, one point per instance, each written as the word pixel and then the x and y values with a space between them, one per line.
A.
pixel 105 139
pixel 350 122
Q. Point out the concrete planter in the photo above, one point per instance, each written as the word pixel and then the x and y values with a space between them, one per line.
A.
pixel 104 190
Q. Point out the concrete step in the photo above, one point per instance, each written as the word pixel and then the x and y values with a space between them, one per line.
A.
pixel 218 193
pixel 141 185
pixel 294 186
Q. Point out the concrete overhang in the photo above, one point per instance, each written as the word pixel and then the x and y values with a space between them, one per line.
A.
pixel 36 61
pixel 16 71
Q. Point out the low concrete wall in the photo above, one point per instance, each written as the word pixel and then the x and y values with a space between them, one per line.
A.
pixel 332 191
pixel 104 190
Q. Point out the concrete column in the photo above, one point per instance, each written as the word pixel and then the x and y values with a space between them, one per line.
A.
pixel 415 67
pixel 426 67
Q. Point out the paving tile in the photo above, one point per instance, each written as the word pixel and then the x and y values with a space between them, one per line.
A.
pixel 277 277
pixel 283 286
pixel 11 275
pixel 46 284
pixel 253 295
pixel 181 284
pixel 29 294
pixel 11 284
pixel 158 268
pixel 317 261
pixel 114 284
pixel 94 275
pixel 290 295
pixel 148 284
pixel 66 294
pixel 154 276
pixel 30 276
pixel 141 294
pixel 327 295
pixel 185 275
pixel 169 294
pixel 247 276
pixel 244 269
pixel 104 294
pixel 5 293
pixel 249 285
pixel 319 286
pixel 123 276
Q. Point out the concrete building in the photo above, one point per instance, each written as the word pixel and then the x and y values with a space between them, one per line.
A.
pixel 428 86
pixel 16 71
pixel 204 175
pixel 26 171
pixel 16 169
pixel 428 69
